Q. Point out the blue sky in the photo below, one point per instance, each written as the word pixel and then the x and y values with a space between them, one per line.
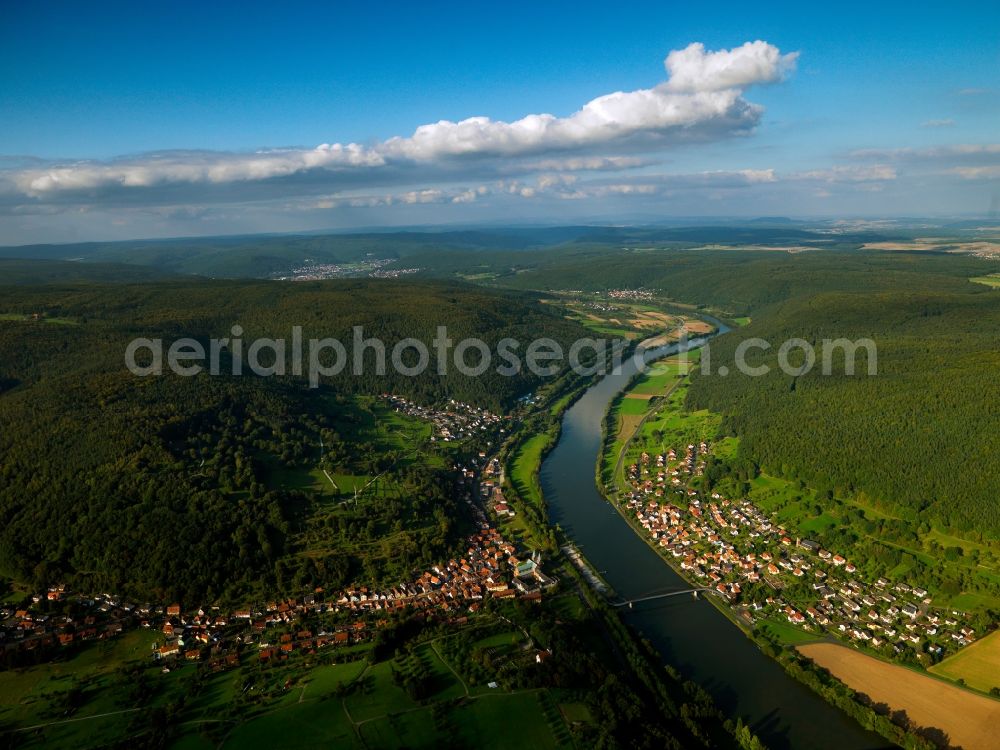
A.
pixel 133 120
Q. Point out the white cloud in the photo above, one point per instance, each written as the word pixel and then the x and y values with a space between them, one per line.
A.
pixel 943 123
pixel 702 99
pixel 571 189
pixel 423 196
pixel 694 70
pixel 875 173
pixel 586 163
pixel 549 180
pixel 197 167
pixel 980 151
pixel 977 173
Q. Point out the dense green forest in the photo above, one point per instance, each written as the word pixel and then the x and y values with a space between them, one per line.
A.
pixel 22 271
pixel 919 437
pixel 261 256
pixel 100 321
pixel 740 282
pixel 198 487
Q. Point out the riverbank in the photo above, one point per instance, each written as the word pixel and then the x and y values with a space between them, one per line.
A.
pixel 668 530
pixel 704 647
pixel 612 494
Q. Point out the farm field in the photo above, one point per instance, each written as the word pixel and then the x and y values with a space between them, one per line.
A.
pixel 665 379
pixel 978 664
pixel 968 719
pixel 377 712
pixel 616 318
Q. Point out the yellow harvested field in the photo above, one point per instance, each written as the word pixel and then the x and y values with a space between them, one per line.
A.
pixel 697 326
pixel 974 248
pixel 627 425
pixel 978 664
pixel 969 720
pixel 915 245
pixel 653 320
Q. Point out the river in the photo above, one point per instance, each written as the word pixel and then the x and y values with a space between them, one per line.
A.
pixel 690 634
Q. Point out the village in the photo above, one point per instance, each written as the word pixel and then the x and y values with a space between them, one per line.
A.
pixel 456 421
pixel 490 568
pixel 765 572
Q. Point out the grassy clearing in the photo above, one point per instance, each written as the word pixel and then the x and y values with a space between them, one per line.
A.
pixel 324 680
pixel 377 695
pixel 658 381
pixel 672 425
pixel 992 280
pixel 38 695
pixel 476 722
pixel 785 632
pixel 385 716
pixel 971 601
pixel 300 725
pixel 559 405
pixel 413 729
pixel 28 319
pixel 977 664
pixel 525 465
pixel 632 408
pixel 298 478
pixel 522 475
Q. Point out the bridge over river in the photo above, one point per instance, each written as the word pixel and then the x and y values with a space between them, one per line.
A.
pixel 662 595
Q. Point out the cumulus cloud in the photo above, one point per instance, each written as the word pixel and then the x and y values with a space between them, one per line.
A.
pixel 702 99
pixel 692 69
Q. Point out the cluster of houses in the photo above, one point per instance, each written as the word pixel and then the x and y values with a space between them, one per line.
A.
pixel 453 422
pixel 490 568
pixel 319 271
pixel 733 547
pixel 655 475
pixel 393 273
pixel 491 490
pixel 40 624
pixel 631 294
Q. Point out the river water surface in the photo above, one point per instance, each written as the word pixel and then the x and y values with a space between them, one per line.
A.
pixel 690 634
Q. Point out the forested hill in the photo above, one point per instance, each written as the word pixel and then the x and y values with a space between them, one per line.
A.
pixel 28 271
pixel 173 487
pixel 264 256
pixel 921 438
pixel 98 321
pixel 741 282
